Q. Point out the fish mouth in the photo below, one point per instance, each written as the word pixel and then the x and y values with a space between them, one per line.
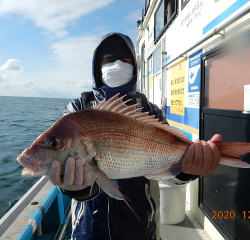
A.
pixel 31 168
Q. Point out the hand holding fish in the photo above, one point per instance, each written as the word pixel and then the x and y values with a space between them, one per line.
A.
pixel 76 176
pixel 202 157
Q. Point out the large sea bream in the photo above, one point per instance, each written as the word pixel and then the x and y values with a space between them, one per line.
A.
pixel 115 141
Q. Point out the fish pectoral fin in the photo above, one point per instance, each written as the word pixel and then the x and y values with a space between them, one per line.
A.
pixel 88 148
pixel 152 177
pixel 93 182
pixel 171 172
pixel 106 184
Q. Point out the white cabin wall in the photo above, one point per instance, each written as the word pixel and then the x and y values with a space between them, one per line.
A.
pixel 180 36
pixel 187 34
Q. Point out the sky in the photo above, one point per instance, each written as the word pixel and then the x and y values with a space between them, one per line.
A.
pixel 46 46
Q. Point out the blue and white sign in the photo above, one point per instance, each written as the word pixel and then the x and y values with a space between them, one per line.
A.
pixel 194 80
pixel 194 72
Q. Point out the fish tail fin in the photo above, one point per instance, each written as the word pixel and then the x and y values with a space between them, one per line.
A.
pixel 106 184
pixel 231 151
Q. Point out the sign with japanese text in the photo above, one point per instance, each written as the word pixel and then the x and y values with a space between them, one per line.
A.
pixel 194 80
pixel 178 88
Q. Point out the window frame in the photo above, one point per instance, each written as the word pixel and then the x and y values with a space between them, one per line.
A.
pixel 158 48
pixel 166 24
pixel 147 4
pixel 143 68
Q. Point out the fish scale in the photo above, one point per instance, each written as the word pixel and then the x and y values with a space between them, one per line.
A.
pixel 156 149
pixel 131 156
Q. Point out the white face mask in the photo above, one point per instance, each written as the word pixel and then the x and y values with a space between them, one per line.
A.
pixel 117 73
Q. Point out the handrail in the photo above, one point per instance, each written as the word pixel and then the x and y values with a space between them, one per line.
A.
pixel 38 213
pixel 36 218
pixel 12 214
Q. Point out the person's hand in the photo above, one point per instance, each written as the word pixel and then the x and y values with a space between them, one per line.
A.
pixel 76 175
pixel 202 157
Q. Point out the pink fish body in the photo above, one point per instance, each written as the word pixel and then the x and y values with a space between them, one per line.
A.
pixel 123 142
pixel 124 146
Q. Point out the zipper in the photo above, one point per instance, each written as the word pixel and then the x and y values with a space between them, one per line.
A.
pixel 148 195
pixel 79 214
pixel 104 93
pixel 108 220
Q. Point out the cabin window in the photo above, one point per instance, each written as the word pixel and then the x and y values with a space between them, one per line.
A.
pixel 183 4
pixel 226 74
pixel 166 11
pixel 157 60
pixel 159 19
pixel 147 3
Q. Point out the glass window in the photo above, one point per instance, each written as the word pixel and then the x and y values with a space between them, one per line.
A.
pixel 159 19
pixel 143 54
pixel 184 3
pixel 225 76
pixel 163 15
pixel 147 2
pixel 170 6
pixel 157 60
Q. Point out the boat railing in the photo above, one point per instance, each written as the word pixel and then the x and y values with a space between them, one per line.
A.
pixel 43 212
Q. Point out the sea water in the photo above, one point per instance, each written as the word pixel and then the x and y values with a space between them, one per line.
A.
pixel 17 114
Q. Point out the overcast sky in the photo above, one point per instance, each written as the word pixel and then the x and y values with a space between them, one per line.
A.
pixel 46 46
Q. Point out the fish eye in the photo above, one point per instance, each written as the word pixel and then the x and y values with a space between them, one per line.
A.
pixel 55 144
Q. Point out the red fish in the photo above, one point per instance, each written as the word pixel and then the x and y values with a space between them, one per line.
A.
pixel 115 141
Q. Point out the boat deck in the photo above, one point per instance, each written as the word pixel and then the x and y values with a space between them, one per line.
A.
pixel 44 213
pixel 189 229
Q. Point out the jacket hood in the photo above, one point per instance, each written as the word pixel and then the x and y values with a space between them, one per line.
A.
pixel 106 92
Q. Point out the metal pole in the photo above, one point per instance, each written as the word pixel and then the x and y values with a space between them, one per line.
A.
pixel 61 231
pixel 38 231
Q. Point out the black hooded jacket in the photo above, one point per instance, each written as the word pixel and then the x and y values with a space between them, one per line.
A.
pixel 102 217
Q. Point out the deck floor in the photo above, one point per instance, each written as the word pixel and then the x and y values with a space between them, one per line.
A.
pixel 189 229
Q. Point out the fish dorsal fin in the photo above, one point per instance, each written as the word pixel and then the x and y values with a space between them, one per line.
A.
pixel 98 106
pixel 106 105
pixel 147 118
pixel 116 104
pixel 175 131
pixel 138 114
pixel 128 109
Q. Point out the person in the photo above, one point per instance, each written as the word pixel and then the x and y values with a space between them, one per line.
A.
pixel 96 215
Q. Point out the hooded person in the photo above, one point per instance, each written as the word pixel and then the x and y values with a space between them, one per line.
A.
pixel 96 215
pixel 104 217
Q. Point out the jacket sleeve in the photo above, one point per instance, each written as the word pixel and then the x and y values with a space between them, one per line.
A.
pixel 74 106
pixel 84 194
pixel 182 178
